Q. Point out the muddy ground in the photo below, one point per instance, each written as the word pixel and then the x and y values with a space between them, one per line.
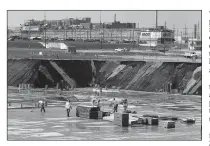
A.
pixel 54 125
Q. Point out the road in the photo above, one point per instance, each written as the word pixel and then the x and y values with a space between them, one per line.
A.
pixel 90 51
pixel 134 55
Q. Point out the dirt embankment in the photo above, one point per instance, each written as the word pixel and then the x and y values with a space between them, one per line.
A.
pixel 141 76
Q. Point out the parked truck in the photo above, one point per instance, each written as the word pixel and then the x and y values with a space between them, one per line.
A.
pixel 190 55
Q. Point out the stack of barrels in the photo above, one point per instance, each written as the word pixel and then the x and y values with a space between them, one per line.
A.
pixel 90 112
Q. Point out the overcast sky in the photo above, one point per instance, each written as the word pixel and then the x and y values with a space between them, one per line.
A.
pixel 144 18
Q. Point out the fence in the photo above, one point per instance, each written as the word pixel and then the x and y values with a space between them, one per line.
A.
pixel 106 34
pixel 118 36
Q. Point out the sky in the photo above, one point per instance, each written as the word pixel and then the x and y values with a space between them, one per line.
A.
pixel 177 19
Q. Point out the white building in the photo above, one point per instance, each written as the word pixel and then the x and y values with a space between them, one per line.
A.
pixel 158 36
pixel 194 44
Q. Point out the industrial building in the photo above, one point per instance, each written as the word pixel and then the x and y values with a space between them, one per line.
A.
pixel 31 25
pixel 71 23
pixel 159 35
pixel 76 21
pixel 118 25
pixel 34 25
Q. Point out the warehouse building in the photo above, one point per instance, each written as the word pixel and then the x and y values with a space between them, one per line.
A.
pixel 158 35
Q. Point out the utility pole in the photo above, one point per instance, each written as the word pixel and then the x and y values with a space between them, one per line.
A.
pixel 45 29
pixel 165 37
pixel 66 30
pixel 195 31
pixel 192 41
pixel 173 33
pixel 133 37
pixel 198 35
pixel 138 34
pixel 186 33
pixel 156 18
pixel 64 26
pixel 29 36
pixel 100 31
pixel 29 30
pixel 181 39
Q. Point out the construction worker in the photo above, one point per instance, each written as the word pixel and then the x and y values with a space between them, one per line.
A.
pixel 68 107
pixel 42 104
pixel 125 105
pixel 100 91
pixel 115 105
pixel 62 85
pixel 93 102
pixel 99 105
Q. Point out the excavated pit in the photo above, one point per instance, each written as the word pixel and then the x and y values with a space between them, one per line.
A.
pixel 131 75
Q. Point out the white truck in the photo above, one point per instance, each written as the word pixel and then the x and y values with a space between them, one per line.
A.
pixel 122 50
pixel 190 55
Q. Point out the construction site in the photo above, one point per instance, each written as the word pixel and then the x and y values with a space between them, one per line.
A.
pixel 160 76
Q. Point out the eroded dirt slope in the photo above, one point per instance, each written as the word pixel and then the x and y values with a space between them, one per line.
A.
pixel 132 75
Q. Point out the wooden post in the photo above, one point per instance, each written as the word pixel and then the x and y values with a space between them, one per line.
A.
pixel 29 86
pixel 25 86
pixel 19 88
pixel 46 87
pixel 57 86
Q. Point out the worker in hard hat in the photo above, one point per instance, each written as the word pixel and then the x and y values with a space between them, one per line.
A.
pixel 125 105
pixel 99 105
pixel 94 102
pixel 42 104
pixel 115 105
pixel 68 107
